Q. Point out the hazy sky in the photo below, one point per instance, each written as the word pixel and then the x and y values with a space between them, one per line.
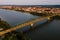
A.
pixel 29 2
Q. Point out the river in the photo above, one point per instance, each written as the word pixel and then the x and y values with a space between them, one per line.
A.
pixel 48 31
pixel 14 18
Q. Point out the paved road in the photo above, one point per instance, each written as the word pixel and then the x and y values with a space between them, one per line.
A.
pixel 24 24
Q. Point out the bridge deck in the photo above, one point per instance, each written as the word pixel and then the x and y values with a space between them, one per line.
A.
pixel 23 25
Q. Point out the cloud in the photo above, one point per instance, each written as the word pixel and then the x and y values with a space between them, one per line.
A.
pixel 29 2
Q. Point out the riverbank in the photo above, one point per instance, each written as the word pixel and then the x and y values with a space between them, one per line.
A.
pixel 12 35
pixel 34 10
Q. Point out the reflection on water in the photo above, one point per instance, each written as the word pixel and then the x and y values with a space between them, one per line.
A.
pixel 49 31
pixel 15 18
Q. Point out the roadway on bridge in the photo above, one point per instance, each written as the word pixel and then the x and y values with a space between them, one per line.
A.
pixel 24 24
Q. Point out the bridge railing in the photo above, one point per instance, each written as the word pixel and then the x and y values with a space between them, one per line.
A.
pixel 23 25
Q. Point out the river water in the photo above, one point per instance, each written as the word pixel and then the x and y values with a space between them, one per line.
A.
pixel 14 18
pixel 48 31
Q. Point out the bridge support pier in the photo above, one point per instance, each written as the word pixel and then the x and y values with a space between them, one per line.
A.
pixel 31 25
pixel 49 19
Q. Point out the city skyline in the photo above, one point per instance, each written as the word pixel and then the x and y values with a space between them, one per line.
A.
pixel 29 2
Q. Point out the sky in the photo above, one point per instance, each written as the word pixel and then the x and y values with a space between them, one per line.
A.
pixel 29 2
